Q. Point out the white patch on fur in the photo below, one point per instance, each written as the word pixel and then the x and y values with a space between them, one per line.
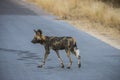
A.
pixel 77 53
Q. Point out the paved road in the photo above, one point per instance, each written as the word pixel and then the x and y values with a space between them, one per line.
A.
pixel 19 57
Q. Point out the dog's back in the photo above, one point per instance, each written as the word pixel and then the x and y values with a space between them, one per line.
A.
pixel 59 43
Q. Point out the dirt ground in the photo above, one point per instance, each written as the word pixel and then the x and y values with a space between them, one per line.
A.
pixel 108 35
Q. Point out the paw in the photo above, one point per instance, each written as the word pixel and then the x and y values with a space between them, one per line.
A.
pixel 68 67
pixel 79 65
pixel 40 66
pixel 62 66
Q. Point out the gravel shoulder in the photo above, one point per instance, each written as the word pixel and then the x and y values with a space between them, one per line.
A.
pixel 108 35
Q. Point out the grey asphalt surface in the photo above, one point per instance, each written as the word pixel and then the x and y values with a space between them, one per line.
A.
pixel 19 58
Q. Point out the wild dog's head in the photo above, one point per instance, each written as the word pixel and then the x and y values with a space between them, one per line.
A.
pixel 38 37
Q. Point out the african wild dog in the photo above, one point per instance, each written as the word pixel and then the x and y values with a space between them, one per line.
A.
pixel 57 43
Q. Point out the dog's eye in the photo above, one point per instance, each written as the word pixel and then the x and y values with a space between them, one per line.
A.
pixel 38 38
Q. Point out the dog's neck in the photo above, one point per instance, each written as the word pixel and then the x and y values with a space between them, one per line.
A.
pixel 43 40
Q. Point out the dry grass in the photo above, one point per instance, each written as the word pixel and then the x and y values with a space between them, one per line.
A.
pixel 58 7
pixel 74 9
pixel 92 16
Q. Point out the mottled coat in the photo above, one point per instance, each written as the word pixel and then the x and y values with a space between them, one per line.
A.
pixel 57 43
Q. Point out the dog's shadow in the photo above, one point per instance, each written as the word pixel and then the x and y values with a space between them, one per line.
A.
pixel 32 59
pixel 25 56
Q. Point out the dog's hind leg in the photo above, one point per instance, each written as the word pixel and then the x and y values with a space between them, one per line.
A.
pixel 60 59
pixel 78 56
pixel 76 52
pixel 70 59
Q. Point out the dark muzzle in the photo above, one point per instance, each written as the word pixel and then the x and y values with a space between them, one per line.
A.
pixel 34 41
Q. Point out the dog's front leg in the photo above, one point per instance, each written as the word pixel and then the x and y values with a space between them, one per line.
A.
pixel 45 58
pixel 60 59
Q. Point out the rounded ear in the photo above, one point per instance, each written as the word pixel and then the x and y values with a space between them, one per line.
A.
pixel 40 31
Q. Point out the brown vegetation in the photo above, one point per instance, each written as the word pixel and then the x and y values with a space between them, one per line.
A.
pixel 95 10
pixel 102 16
